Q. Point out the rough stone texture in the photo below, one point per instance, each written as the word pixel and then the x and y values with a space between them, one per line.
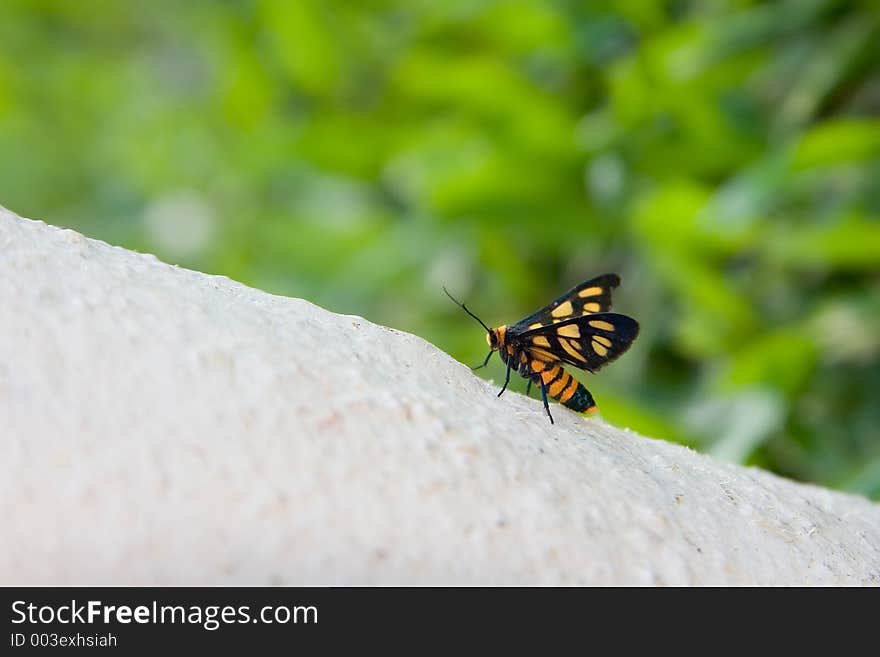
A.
pixel 163 426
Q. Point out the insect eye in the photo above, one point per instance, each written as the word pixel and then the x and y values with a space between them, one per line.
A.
pixel 490 339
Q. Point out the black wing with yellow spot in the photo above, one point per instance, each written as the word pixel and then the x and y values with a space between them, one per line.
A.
pixel 592 296
pixel 588 342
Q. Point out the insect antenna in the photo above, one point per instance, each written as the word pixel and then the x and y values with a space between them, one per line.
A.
pixel 465 308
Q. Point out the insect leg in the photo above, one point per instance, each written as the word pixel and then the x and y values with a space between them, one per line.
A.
pixel 506 380
pixel 546 403
pixel 484 362
pixel 529 388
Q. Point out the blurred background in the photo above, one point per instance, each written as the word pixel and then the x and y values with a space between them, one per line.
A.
pixel 721 156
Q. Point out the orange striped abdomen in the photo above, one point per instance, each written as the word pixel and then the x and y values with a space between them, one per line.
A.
pixel 563 387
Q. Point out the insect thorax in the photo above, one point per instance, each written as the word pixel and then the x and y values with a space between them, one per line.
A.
pixel 517 358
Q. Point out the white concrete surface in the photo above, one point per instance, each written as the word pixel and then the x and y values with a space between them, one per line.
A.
pixel 163 426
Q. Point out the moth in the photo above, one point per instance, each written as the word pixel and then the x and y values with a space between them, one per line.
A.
pixel 576 329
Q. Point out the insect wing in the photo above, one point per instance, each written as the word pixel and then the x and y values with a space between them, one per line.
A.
pixel 592 296
pixel 588 342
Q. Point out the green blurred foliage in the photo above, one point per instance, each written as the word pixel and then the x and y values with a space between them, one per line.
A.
pixel 722 156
